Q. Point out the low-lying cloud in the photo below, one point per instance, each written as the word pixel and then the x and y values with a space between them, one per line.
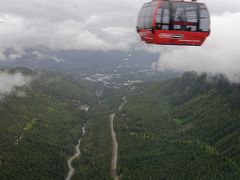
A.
pixel 220 53
pixel 9 83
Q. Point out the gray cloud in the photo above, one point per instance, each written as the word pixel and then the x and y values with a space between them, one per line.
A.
pixel 76 24
pixel 110 25
pixel 2 55
pixel 68 24
pixel 217 7
pixel 9 82
pixel 42 56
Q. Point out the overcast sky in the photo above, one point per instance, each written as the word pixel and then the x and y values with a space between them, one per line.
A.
pixel 68 24
pixel 77 24
pixel 110 25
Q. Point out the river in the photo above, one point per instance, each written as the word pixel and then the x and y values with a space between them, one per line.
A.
pixel 71 171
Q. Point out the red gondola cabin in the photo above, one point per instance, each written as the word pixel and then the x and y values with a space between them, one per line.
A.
pixel 172 22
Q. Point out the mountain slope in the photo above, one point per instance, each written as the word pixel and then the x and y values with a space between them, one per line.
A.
pixel 39 130
pixel 185 128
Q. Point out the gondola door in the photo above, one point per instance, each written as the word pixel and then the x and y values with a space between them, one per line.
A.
pixel 146 24
pixel 181 23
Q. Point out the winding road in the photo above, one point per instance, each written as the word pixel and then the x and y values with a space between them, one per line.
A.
pixel 114 150
pixel 115 144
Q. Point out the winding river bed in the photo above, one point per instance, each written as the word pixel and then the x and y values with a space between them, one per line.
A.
pixel 71 171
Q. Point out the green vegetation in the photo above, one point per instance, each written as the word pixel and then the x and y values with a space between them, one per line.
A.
pixel 38 132
pixel 96 147
pixel 183 128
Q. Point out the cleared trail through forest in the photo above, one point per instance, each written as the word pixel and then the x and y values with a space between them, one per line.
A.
pixel 115 144
pixel 71 171
pixel 124 102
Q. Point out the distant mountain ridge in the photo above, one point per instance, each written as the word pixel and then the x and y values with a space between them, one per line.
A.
pixel 83 60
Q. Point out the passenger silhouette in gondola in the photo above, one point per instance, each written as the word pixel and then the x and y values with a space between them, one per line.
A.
pixel 181 19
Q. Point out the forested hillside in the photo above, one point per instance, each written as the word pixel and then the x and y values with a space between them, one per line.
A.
pixel 182 128
pixel 185 128
pixel 40 128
